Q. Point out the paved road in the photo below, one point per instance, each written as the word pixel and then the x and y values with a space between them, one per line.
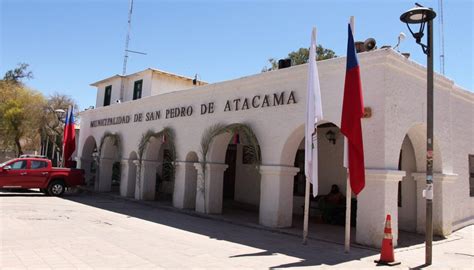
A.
pixel 87 231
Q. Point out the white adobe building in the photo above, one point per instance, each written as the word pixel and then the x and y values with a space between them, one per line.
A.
pixel 272 106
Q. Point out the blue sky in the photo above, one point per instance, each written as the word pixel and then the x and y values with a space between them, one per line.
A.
pixel 70 44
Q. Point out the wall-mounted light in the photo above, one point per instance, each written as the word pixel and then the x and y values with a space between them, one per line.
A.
pixel 331 136
pixel 367 112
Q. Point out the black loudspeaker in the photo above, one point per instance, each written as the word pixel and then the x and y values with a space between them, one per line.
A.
pixel 284 63
pixel 369 44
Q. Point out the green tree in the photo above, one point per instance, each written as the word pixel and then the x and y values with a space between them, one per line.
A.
pixel 26 118
pixel 16 75
pixel 21 111
pixel 301 56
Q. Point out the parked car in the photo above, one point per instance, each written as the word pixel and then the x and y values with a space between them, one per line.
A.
pixel 34 172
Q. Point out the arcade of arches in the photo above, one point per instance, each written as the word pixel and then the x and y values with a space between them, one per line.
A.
pixel 230 179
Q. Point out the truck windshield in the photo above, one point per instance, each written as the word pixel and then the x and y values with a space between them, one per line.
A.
pixel 4 163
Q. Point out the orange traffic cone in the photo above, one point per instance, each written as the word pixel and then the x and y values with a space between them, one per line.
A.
pixel 386 254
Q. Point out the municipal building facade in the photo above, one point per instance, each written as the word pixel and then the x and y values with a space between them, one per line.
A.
pixel 240 143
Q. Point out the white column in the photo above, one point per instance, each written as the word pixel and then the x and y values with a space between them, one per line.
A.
pixel 138 180
pixel 147 180
pixel 179 184
pixel 124 179
pixel 377 200
pixel 79 162
pixel 105 178
pixel 442 203
pixel 85 164
pixel 276 195
pixel 190 185
pixel 210 188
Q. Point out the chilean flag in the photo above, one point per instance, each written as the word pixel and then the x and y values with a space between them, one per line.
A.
pixel 69 140
pixel 352 112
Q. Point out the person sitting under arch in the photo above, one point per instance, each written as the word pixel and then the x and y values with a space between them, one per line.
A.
pixel 333 207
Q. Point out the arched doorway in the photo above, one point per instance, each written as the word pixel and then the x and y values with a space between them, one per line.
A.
pixel 407 188
pixel 232 169
pixel 89 160
pixel 326 217
pixel 412 160
pixel 158 170
pixel 109 164
pixel 241 179
pixel 330 172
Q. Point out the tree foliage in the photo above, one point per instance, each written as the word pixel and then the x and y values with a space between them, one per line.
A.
pixel 52 126
pixel 301 56
pixel 26 118
pixel 21 111
pixel 19 73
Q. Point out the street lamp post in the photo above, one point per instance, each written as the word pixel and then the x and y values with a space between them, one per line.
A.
pixel 60 113
pixel 422 16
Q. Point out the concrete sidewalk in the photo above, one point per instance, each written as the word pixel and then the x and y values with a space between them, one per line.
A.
pixel 317 231
pixel 97 231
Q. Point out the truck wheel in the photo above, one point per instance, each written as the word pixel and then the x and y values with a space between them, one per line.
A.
pixel 56 188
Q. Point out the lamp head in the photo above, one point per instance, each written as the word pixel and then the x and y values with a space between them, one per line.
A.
pixel 417 15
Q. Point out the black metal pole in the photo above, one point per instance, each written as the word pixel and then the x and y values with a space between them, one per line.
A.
pixel 429 150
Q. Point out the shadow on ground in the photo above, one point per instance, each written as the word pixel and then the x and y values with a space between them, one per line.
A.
pixel 314 254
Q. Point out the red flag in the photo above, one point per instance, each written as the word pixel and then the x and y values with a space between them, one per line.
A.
pixel 352 112
pixel 69 140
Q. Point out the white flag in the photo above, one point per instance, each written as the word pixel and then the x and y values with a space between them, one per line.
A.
pixel 314 113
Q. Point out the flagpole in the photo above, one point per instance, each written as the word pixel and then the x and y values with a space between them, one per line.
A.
pixel 306 212
pixel 314 114
pixel 64 132
pixel 347 237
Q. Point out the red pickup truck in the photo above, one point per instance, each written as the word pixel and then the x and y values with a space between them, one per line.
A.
pixel 25 173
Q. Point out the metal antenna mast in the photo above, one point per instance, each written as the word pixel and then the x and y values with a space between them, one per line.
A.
pixel 126 51
pixel 127 39
pixel 441 35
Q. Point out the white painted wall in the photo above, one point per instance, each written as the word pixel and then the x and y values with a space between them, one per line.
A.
pixel 247 181
pixel 394 88
pixel 407 212
pixel 129 84
pixel 116 84
pixel 163 83
pixel 462 143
